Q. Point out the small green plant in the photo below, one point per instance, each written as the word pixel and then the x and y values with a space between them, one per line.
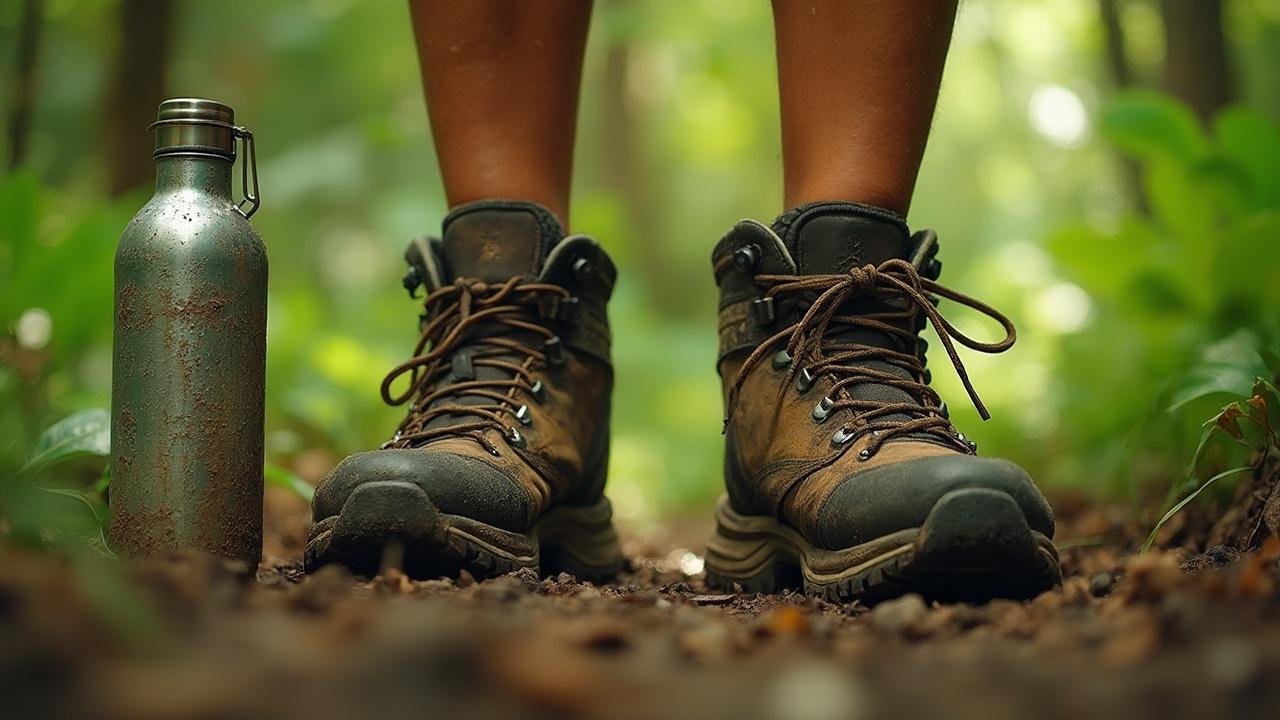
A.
pixel 1251 421
pixel 35 506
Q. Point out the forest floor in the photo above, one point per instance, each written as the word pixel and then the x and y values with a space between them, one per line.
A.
pixel 1127 635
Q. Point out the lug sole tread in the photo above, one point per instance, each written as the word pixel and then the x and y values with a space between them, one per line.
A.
pixel 975 546
pixel 386 517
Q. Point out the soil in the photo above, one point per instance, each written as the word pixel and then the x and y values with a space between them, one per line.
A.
pixel 1160 634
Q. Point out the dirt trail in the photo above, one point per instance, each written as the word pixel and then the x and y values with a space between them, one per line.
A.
pixel 1126 636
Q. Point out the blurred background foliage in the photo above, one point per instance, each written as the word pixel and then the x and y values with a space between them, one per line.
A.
pixel 1105 171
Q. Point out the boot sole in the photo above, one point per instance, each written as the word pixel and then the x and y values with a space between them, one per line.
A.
pixel 974 545
pixel 395 523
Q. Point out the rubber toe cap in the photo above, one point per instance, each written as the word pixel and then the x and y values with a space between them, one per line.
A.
pixel 456 485
pixel 883 500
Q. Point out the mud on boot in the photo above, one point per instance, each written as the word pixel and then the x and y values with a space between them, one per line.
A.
pixel 844 475
pixel 500 461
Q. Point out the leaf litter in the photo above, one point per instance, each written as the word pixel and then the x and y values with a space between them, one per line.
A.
pixel 1127 635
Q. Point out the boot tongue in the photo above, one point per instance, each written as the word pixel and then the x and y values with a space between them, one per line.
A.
pixel 493 240
pixel 832 237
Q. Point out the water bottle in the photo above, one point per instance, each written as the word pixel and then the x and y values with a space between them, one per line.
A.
pixel 189 356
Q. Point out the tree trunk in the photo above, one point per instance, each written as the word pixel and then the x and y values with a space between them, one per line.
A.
pixel 23 96
pixel 1196 67
pixel 137 87
pixel 1121 78
pixel 626 169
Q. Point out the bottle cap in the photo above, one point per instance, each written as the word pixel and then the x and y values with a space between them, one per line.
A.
pixel 195 125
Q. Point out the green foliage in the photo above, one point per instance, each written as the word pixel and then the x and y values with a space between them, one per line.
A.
pixel 67 516
pixel 87 432
pixel 1188 292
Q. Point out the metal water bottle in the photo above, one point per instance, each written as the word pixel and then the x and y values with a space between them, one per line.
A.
pixel 189 358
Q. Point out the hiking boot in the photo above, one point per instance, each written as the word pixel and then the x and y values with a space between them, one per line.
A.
pixel 844 474
pixel 500 462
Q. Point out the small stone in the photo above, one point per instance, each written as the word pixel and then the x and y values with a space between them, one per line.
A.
pixel 1232 663
pixel 894 616
pixel 1100 584
pixel 815 691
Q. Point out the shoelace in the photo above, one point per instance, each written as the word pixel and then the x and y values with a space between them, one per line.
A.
pixel 456 315
pixel 813 344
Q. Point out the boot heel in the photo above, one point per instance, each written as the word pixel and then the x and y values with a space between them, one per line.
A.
pixel 745 552
pixel 581 541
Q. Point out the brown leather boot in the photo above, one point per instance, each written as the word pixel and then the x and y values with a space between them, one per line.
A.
pixel 500 462
pixel 843 472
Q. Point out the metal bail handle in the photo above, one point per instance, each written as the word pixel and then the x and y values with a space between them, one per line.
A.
pixel 248 166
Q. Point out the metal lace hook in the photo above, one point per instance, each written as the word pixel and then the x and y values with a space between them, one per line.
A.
pixel 248 166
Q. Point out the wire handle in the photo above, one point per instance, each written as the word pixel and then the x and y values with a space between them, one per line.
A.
pixel 248 166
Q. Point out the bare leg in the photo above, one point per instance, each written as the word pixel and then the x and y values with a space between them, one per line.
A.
pixel 858 83
pixel 501 80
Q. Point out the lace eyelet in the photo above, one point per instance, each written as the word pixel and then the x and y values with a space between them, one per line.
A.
pixel 842 437
pixel 822 410
pixel 781 359
pixel 804 380
pixel 538 391
pixel 522 415
pixel 514 438
pixel 864 455
pixel 554 350
pixel 747 257
pixel 763 311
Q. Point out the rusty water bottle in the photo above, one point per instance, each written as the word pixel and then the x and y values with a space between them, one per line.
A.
pixel 189 358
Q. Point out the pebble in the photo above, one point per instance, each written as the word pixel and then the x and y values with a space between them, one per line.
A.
pixel 1232 663
pixel 814 691
pixel 894 616
pixel 1100 584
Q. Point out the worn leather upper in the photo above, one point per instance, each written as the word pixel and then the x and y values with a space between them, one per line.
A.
pixel 781 460
pixel 549 441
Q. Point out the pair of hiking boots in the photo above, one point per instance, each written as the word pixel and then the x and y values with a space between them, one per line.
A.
pixel 843 474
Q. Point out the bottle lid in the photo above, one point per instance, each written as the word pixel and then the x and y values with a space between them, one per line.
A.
pixel 195 125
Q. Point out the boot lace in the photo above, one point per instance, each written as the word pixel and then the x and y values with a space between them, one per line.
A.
pixel 489 324
pixel 815 344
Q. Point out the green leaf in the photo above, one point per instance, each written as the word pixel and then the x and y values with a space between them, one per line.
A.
pixel 1178 199
pixel 1183 503
pixel 1251 141
pixel 283 478
pixel 87 432
pixel 1231 365
pixel 1244 270
pixel 1151 126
